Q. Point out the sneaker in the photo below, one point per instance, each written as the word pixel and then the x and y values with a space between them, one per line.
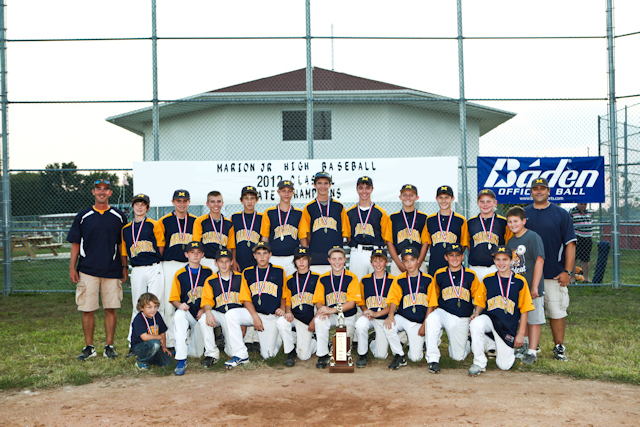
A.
pixel 109 352
pixel 398 361
pixel 208 361
pixel 521 352
pixel 87 352
pixel 475 370
pixel 559 352
pixel 538 350
pixel 322 362
pixel 492 353
pixel 131 353
pixel 181 366
pixel 290 361
pixel 362 361
pixel 529 359
pixel 434 367
pixel 235 361
pixel 142 366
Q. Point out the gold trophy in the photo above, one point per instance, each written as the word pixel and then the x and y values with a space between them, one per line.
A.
pixel 340 360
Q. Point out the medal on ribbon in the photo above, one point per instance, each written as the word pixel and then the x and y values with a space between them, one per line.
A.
pixel 225 296
pixel 324 218
pixel 155 325
pixel 194 286
pixel 339 296
pixel 215 230
pixel 442 233
pixel 505 299
pixel 181 233
pixel 137 238
pixel 414 295
pixel 413 224
pixel 487 235
pixel 264 282
pixel 281 223
pixel 304 287
pixel 364 223
pixel 379 296
pixel 457 293
pixel 249 231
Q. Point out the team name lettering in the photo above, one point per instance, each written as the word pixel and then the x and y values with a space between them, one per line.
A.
pixel 318 224
pixel 481 237
pixel 143 246
pixel 448 293
pixel 176 239
pixel 437 237
pixel 372 302
pixel 285 230
pixel 331 299
pixel 242 237
pixel 192 297
pixel 234 298
pixel 212 237
pixel 498 303
pixel 420 300
pixel 368 230
pixel 269 288
pixel 297 300
pixel 404 235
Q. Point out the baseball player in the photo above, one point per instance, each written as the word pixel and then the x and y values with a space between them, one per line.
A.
pixel 370 228
pixel 337 285
pixel 280 228
pixel 247 225
pixel 486 230
pixel 505 316
pixel 215 231
pixel 323 225
pixel 263 300
pixel 454 292
pixel 299 308
pixel 186 294
pixel 374 289
pixel 445 226
pixel 177 229
pixel 408 230
pixel 220 295
pixel 148 339
pixel 143 243
pixel 408 303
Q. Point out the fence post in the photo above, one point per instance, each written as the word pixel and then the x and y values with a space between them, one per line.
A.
pixel 463 118
pixel 154 60
pixel 6 179
pixel 309 81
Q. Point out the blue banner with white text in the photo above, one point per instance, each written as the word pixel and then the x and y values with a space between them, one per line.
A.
pixel 571 179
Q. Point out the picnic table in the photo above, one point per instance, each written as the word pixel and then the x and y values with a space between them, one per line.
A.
pixel 39 242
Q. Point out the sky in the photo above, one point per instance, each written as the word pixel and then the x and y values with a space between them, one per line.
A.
pixel 497 69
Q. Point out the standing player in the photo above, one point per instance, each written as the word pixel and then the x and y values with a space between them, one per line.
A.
pixel 443 227
pixel 323 225
pixel 370 228
pixel 408 229
pixel 215 231
pixel 177 229
pixel 336 285
pixel 280 228
pixel 246 225
pixel 143 242
pixel 486 230
pixel 95 244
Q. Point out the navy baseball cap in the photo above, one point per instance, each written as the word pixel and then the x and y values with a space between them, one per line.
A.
pixel 410 251
pixel 101 181
pixel 540 181
pixel 336 249
pixel 261 245
pixel 444 189
pixel 453 247
pixel 487 192
pixel 379 253
pixel 300 252
pixel 502 249
pixel 181 194
pixel 409 187
pixel 249 190
pixel 140 198
pixel 196 244
pixel 319 175
pixel 364 180
pixel 223 253
pixel 285 183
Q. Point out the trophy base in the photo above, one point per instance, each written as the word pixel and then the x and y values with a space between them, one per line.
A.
pixel 341 369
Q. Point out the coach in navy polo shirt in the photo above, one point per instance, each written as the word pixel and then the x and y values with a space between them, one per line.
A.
pixel 96 267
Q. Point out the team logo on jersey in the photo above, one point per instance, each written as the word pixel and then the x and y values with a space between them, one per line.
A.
pixel 448 293
pixel 297 300
pixel 242 237
pixel 176 239
pixel 449 237
pixel 372 302
pixel 318 224
pixel 194 296
pixel 213 237
pixel 331 298
pixel 368 230
pixel 497 303
pixel 234 298
pixel 143 246
pixel 403 235
pixel 481 237
pixel 268 288
pixel 421 299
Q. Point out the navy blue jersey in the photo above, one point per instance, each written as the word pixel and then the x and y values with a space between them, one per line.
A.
pixel 372 300
pixel 555 227
pixel 414 235
pixel 329 294
pixel 145 249
pixel 98 234
pixel 324 232
pixel 373 230
pixel 265 293
pixel 438 236
pixel 407 300
pixel 301 303
pixel 479 241
pixel 281 231
pixel 139 327
pixel 247 238
pixel 447 296
pixel 214 238
pixel 181 288
pixel 176 237
pixel 219 295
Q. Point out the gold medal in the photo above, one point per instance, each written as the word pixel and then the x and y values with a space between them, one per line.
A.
pixel 248 244
pixel 489 246
pixel 505 311
pixel 414 309
pixel 300 306
pixel 282 238
pixel 325 229
pixel 226 307
pixel 260 301
pixel 458 302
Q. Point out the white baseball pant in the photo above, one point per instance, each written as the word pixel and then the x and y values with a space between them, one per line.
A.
pixel 323 324
pixel 143 279
pixel 360 262
pixel 285 262
pixel 416 342
pixel 284 328
pixel 166 309
pixel 182 320
pixel 504 354
pixel 270 340
pixel 379 346
pixel 209 337
pixel 306 345
pixel 482 271
pixel 457 331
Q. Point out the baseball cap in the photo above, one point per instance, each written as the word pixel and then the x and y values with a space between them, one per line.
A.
pixel 196 244
pixel 379 253
pixel 249 190
pixel 487 192
pixel 261 245
pixel 300 252
pixel 181 194
pixel 409 187
pixel 285 183
pixel 319 175
pixel 223 253
pixel 453 247
pixel 140 198
pixel 364 180
pixel 410 251
pixel 501 249
pixel 540 181
pixel 336 249
pixel 444 189
pixel 101 181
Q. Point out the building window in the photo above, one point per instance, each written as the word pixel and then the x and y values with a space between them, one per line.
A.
pixel 294 125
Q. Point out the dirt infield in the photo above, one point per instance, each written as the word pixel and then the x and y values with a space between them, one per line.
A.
pixel 311 397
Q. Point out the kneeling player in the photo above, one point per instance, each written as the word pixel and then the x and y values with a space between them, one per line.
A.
pixel 408 295
pixel 508 302
pixel 262 296
pixel 299 309
pixel 336 285
pixel 452 296
pixel 374 288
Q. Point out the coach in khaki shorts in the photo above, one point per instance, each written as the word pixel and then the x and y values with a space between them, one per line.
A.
pixel 96 267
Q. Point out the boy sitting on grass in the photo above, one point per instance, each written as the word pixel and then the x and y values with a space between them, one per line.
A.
pixel 148 341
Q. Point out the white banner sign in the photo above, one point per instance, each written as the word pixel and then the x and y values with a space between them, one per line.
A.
pixel 160 179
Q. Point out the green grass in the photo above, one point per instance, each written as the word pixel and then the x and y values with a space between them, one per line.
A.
pixel 41 335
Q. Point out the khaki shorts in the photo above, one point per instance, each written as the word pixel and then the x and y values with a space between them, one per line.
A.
pixel 536 316
pixel 87 293
pixel 556 299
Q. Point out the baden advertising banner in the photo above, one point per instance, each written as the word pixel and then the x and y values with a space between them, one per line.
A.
pixel 159 179
pixel 571 179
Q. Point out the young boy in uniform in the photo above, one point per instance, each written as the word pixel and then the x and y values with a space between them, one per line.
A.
pixel 486 230
pixel 445 226
pixel 263 300
pixel 215 231
pixel 408 229
pixel 454 292
pixel 508 303
pixel 299 308
pixel 370 228
pixel 408 303
pixel 148 340
pixel 337 285
pixel 528 260
pixel 374 289
pixel 185 297
pixel 220 295
pixel 280 228
pixel 247 228
pixel 323 225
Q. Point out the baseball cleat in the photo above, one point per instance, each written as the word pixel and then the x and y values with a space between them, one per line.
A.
pixel 372 336
pixel 235 361
pixel 362 361
pixel 87 353
pixel 491 353
pixel 529 359
pixel 131 353
pixel 398 361
pixel 181 367
pixel 434 367
pixel 208 361
pixel 291 359
pixel 522 351
pixel 109 352
pixel 559 352
pixel 322 362
pixel 475 370
pixel 142 366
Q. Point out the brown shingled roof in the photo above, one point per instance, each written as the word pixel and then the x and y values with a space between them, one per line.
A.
pixel 323 80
